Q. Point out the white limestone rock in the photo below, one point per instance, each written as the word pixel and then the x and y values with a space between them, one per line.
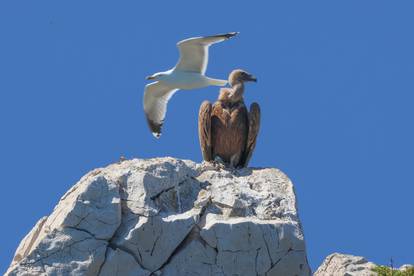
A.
pixel 406 267
pixel 27 243
pixel 338 264
pixel 166 216
pixel 118 262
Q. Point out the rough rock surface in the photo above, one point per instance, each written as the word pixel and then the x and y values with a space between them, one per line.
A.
pixel 348 265
pixel 167 216
pixel 340 264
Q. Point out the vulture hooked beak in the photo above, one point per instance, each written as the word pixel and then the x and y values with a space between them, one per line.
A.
pixel 252 78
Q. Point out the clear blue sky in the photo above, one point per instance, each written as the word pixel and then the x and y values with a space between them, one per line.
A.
pixel 335 86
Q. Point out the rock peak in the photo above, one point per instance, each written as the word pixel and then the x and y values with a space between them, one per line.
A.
pixel 165 216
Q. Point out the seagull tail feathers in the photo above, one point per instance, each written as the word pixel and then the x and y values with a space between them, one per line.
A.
pixel 217 82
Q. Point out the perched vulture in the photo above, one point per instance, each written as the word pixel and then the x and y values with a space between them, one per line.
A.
pixel 227 131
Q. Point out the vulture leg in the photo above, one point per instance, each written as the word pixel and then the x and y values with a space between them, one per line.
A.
pixel 204 130
pixel 254 126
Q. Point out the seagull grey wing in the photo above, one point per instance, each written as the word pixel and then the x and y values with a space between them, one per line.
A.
pixel 194 52
pixel 156 98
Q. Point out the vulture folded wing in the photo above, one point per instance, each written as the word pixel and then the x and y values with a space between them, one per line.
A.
pixel 204 130
pixel 254 126
pixel 156 98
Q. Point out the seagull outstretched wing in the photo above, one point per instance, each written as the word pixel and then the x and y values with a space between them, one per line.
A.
pixel 194 52
pixel 193 60
pixel 156 98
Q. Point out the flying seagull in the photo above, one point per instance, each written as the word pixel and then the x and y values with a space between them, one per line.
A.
pixel 227 131
pixel 187 74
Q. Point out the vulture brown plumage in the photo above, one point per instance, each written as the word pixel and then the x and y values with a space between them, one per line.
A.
pixel 227 131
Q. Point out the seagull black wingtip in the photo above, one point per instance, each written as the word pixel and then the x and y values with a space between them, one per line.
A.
pixel 227 35
pixel 230 35
pixel 156 135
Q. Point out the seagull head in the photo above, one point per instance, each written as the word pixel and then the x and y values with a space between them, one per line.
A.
pixel 240 76
pixel 156 76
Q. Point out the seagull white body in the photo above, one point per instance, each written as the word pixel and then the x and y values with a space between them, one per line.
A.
pixel 188 80
pixel 188 74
